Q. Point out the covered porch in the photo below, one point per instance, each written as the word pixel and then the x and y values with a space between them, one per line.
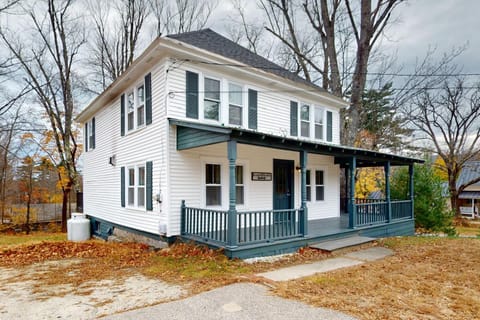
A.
pixel 272 231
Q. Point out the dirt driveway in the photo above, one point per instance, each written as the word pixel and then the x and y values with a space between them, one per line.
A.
pixel 22 298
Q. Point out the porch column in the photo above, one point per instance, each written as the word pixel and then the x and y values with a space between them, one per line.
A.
pixel 410 187
pixel 387 191
pixel 232 210
pixel 304 217
pixel 346 200
pixel 352 208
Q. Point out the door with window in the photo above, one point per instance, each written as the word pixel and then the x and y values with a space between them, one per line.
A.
pixel 283 193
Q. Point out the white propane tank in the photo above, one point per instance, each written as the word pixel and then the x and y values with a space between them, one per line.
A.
pixel 78 227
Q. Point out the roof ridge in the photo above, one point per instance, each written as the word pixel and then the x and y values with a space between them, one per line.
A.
pixel 208 39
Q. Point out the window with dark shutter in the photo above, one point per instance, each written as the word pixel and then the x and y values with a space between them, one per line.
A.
pixel 149 187
pixel 191 95
pixel 148 99
pixel 92 134
pixel 122 186
pixel 293 118
pixel 329 126
pixel 122 115
pixel 85 140
pixel 252 109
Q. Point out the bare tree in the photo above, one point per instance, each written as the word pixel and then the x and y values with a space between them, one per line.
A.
pixel 450 121
pixel 178 16
pixel 321 36
pixel 46 52
pixel 116 36
pixel 7 134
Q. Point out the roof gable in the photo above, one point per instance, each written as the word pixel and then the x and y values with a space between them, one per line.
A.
pixel 209 40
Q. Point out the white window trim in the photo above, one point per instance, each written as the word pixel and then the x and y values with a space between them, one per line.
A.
pixel 307 174
pixel 324 115
pixel 89 135
pixel 201 95
pixel 135 205
pixel 225 176
pixel 301 104
pixel 244 105
pixel 136 105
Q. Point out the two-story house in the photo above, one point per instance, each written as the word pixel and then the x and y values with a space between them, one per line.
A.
pixel 202 139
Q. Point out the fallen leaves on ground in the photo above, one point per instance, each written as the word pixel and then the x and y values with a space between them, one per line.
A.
pixel 427 278
pixel 127 254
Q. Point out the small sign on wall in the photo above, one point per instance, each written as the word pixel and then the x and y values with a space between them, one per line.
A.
pixel 261 176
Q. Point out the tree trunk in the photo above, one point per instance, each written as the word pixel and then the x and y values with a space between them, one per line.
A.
pixel 27 222
pixel 66 196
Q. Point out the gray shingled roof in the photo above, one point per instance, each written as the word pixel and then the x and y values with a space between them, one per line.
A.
pixel 209 40
pixel 470 171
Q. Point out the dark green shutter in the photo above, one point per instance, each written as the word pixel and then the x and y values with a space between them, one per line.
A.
pixel 252 109
pixel 192 94
pixel 293 118
pixel 122 186
pixel 149 190
pixel 122 115
pixel 329 126
pixel 93 133
pixel 85 141
pixel 148 99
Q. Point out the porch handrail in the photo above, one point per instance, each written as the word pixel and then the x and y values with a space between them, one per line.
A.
pixel 402 209
pixel 252 226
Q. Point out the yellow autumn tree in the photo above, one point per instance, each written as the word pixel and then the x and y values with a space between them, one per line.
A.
pixel 368 180
pixel 440 169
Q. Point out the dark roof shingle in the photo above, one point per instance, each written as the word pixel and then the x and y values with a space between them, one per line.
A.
pixel 209 40
pixel 470 172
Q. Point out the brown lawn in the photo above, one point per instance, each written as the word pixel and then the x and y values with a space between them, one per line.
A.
pixel 427 278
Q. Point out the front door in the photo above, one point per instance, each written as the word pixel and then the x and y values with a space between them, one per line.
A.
pixel 283 193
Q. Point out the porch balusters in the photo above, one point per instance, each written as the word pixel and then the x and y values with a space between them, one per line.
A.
pixel 352 208
pixel 304 212
pixel 232 210
pixel 387 191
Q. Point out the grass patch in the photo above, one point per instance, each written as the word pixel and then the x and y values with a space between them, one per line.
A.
pixel 8 241
pixel 427 278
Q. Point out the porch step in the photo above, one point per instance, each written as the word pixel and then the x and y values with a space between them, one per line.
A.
pixel 341 243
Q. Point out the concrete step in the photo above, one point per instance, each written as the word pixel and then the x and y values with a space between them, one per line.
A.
pixel 337 244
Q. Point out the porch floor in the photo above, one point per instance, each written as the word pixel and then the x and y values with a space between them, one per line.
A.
pixel 328 226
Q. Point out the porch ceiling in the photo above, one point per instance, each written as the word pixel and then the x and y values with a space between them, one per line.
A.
pixel 192 135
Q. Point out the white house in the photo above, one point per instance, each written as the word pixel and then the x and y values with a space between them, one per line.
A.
pixel 202 139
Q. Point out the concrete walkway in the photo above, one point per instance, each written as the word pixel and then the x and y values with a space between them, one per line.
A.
pixel 348 260
pixel 253 301
pixel 238 301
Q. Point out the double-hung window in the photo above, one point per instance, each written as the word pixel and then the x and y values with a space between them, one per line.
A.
pixel 211 101
pixel 136 186
pixel 140 105
pixel 213 185
pixel 239 186
pixel 305 120
pixel 319 123
pixel 130 110
pixel 141 187
pixel 131 187
pixel 235 100
pixel 319 185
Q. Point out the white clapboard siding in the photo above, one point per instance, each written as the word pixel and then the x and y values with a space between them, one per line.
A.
pixel 273 105
pixel 186 174
pixel 102 180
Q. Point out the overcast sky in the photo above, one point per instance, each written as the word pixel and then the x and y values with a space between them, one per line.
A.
pixel 419 24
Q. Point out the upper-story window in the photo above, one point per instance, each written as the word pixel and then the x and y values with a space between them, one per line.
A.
pixel 305 120
pixel 319 123
pixel 141 105
pixel 89 138
pixel 130 110
pixel 214 99
pixel 235 100
pixel 135 101
pixel 211 101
